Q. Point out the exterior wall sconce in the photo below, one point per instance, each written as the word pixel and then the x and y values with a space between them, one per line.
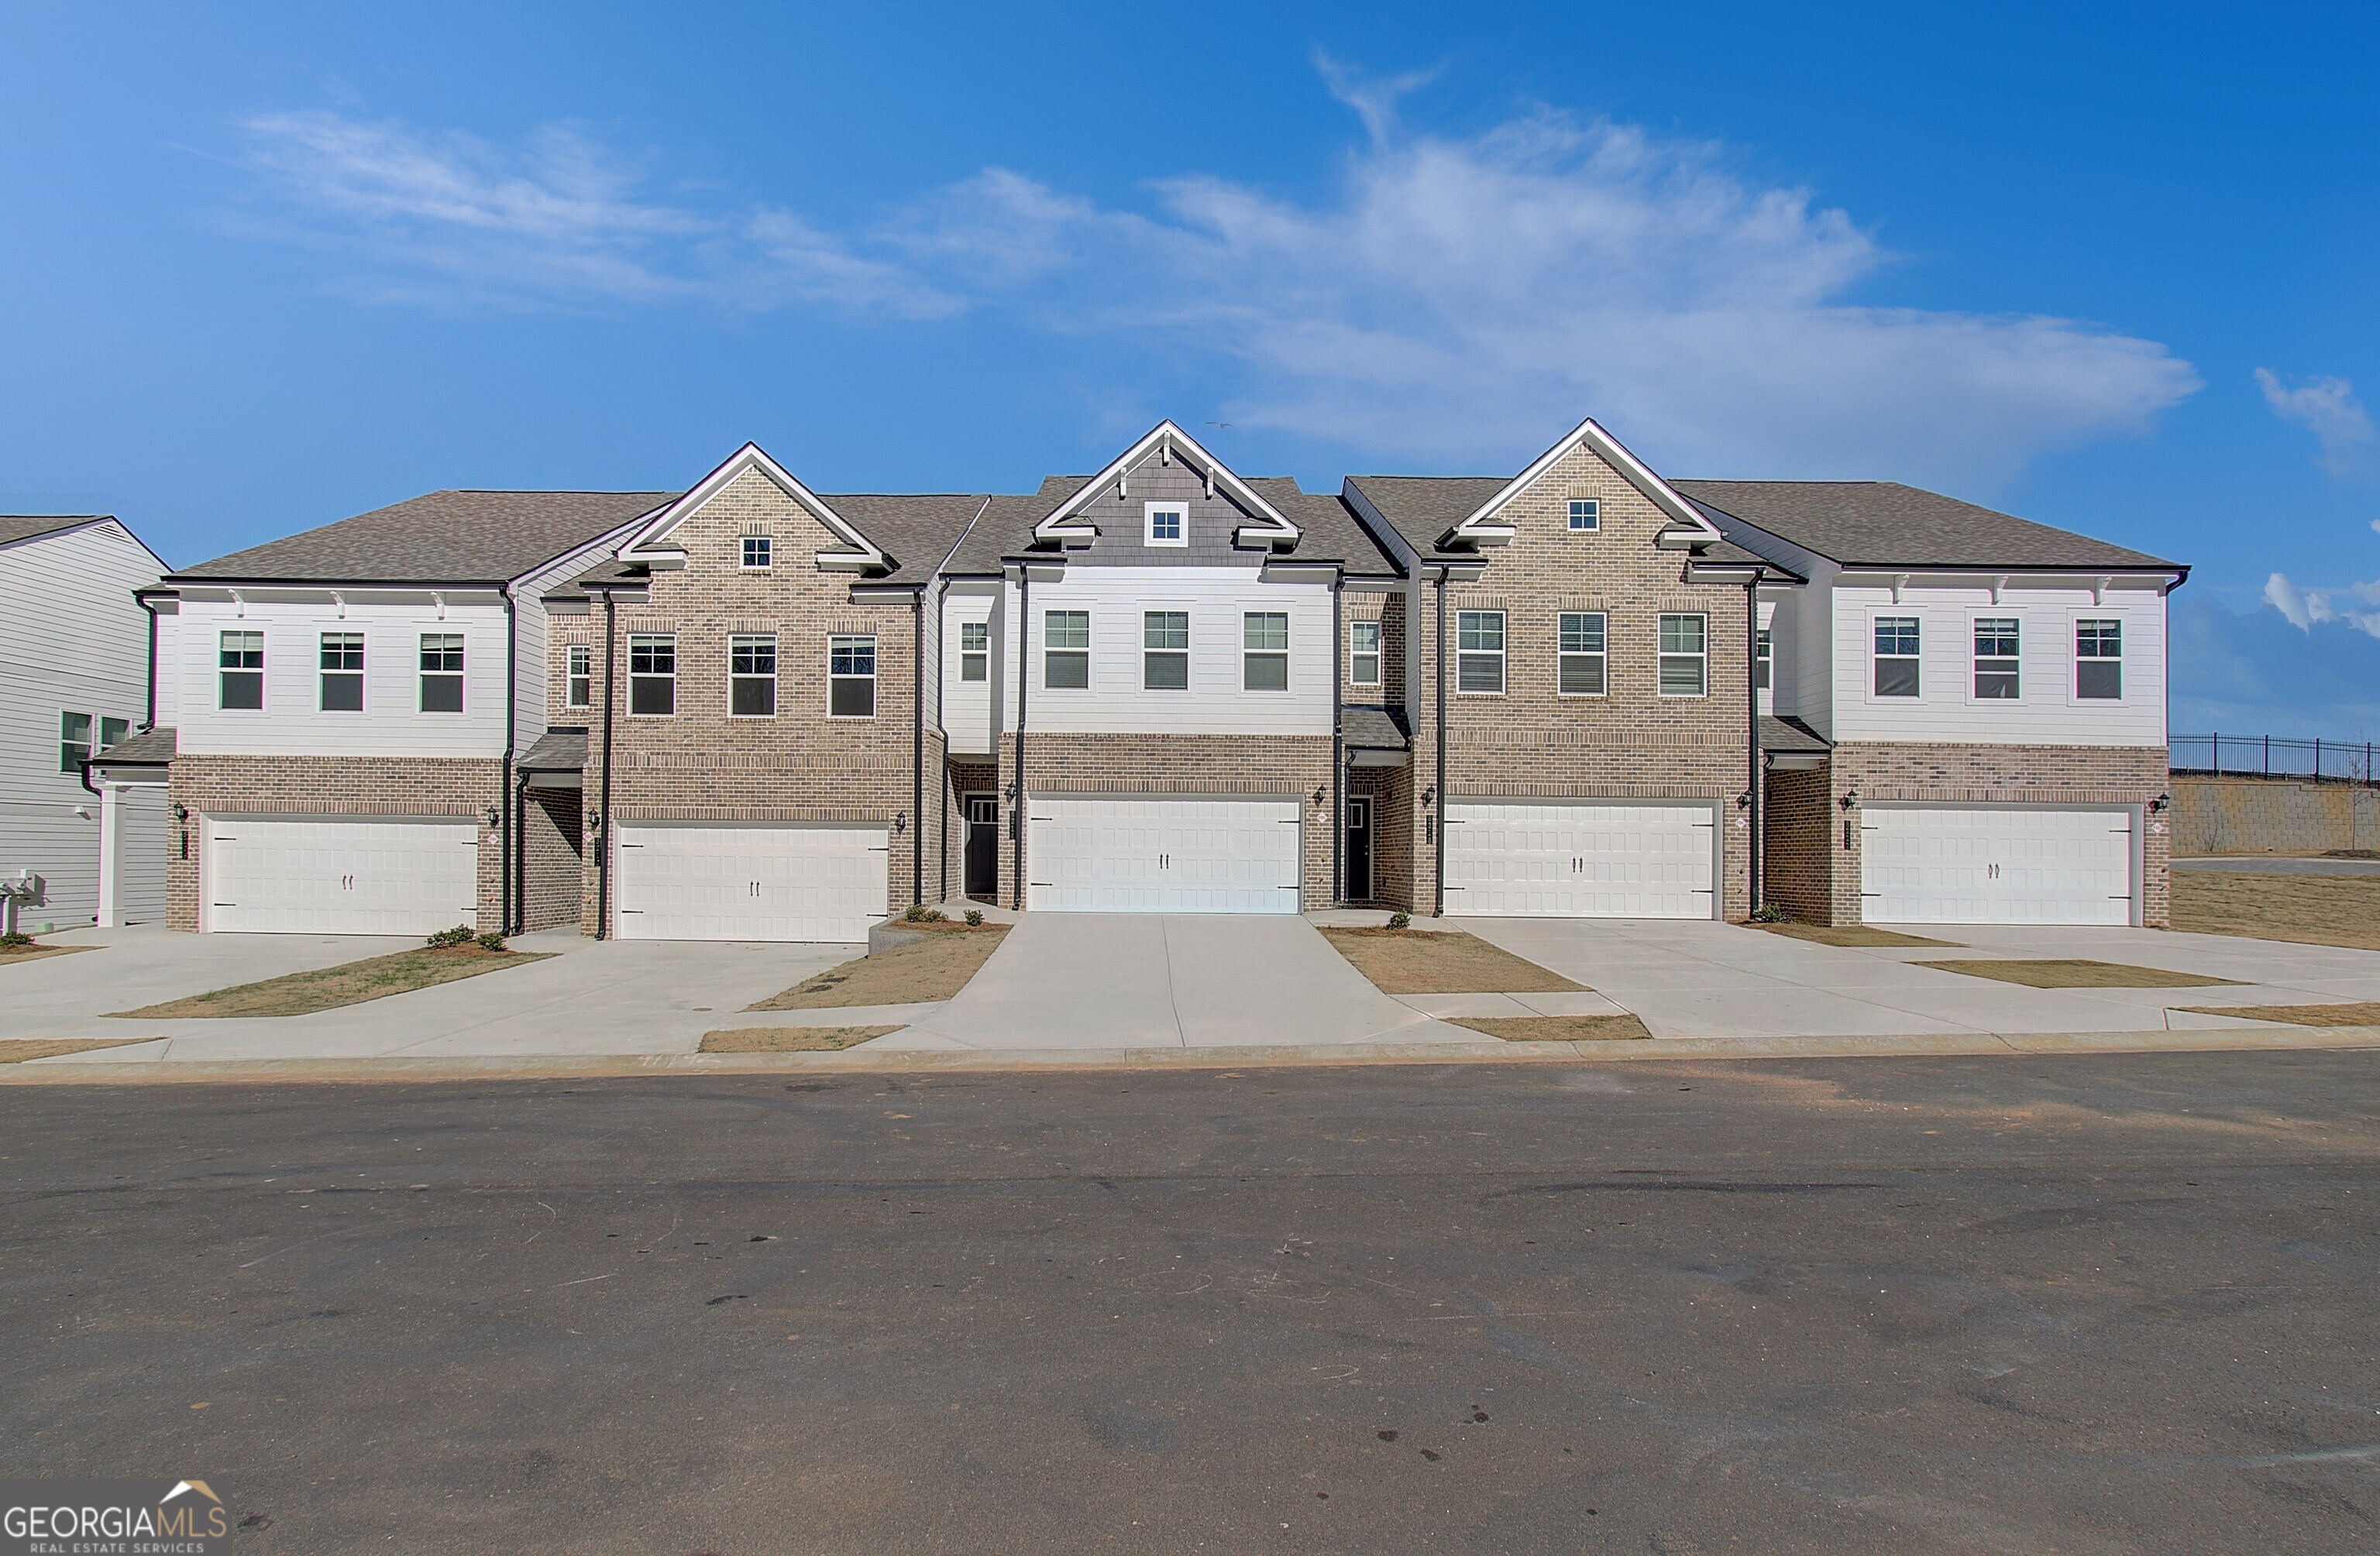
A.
pixel 493 817
pixel 2162 801
pixel 181 810
pixel 1849 802
pixel 900 822
pixel 1317 796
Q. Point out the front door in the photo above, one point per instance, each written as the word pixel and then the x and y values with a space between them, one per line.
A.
pixel 1359 850
pixel 983 845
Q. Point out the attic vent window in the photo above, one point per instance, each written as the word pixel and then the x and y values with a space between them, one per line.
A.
pixel 1586 515
pixel 1168 523
pixel 757 553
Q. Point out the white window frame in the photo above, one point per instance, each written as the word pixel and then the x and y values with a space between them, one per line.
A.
pixel 252 642
pixel 1252 652
pixel 974 663
pixel 579 675
pixel 1764 660
pixel 1564 654
pixel 753 644
pixel 1072 650
pixel 837 645
pixel 68 762
pixel 1917 660
pixel 448 643
pixel 1699 657
pixel 1357 653
pixel 1588 508
pixel 1975 658
pixel 768 553
pixel 2076 661
pixel 350 642
pixel 1482 655
pixel 1151 652
pixel 1179 512
pixel 651 643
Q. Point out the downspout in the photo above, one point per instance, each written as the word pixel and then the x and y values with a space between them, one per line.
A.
pixel 520 855
pixel 942 722
pixel 1024 652
pixel 1438 884
pixel 604 812
pixel 506 812
pixel 1337 744
pixel 918 747
pixel 150 606
pixel 1753 861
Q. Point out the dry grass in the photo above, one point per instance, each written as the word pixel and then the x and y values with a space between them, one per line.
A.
pixel 1848 934
pixel 788 1040
pixel 2355 1013
pixel 327 988
pixel 1413 961
pixel 1554 1029
pixel 930 969
pixel 2055 973
pixel 35 953
pixel 16 1049
pixel 2312 909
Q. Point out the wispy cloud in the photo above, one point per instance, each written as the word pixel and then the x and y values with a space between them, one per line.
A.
pixel 2327 408
pixel 1454 301
pixel 2304 606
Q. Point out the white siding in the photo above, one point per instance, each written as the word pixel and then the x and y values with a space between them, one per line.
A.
pixel 969 711
pixel 168 667
pixel 2045 713
pixel 1216 702
pixel 530 682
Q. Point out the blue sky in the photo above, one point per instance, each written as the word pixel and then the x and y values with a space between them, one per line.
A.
pixel 2111 268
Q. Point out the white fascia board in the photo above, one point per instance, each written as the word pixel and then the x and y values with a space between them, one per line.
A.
pixel 645 548
pixel 1481 529
pixel 1057 527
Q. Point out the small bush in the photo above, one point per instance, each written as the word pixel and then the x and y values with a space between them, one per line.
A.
pixel 13 939
pixel 916 914
pixel 935 915
pixel 1400 920
pixel 975 918
pixel 1770 912
pixel 446 939
pixel 491 941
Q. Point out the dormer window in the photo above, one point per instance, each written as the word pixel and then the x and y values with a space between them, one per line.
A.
pixel 1168 523
pixel 757 553
pixel 1586 515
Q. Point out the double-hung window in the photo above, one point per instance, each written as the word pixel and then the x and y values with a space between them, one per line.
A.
pixel 1996 657
pixel 343 673
pixel 851 676
pixel 1763 657
pixel 442 672
pixel 2099 659
pixel 975 650
pixel 112 731
pixel 578 676
pixel 73 741
pixel 1165 650
pixel 1582 653
pixel 1364 653
pixel 1066 649
pixel 1265 651
pixel 239 660
pixel 758 553
pixel 1168 523
pixel 1479 651
pixel 1586 515
pixel 751 675
pixel 1896 657
pixel 1686 654
pixel 652 673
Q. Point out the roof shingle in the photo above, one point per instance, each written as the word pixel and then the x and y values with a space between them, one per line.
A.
pixel 1884 523
pixel 446 536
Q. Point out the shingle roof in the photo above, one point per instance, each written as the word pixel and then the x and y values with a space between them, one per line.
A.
pixel 916 530
pixel 1374 729
pixel 1329 530
pixel 1884 523
pixel 25 526
pixel 1790 734
pixel 1422 508
pixel 143 749
pixel 446 536
pixel 556 751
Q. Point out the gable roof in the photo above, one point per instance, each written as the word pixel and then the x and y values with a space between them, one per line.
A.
pixel 1480 528
pixel 29 526
pixel 1165 440
pixel 1327 530
pixel 1885 525
pixel 859 553
pixel 1424 509
pixel 916 530
pixel 443 538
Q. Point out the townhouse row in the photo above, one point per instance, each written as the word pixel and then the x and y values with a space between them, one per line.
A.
pixel 752 711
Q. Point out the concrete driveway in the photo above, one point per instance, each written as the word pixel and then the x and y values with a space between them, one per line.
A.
pixel 1165 981
pixel 1695 978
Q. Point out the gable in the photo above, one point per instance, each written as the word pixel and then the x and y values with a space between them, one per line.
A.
pixel 1489 524
pixel 851 553
pixel 1095 507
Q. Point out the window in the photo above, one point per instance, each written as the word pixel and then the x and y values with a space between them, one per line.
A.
pixel 1685 655
pixel 975 650
pixel 578 676
pixel 442 672
pixel 73 741
pixel 1896 656
pixel 1266 641
pixel 343 673
pixel 756 553
pixel 2099 659
pixel 1066 648
pixel 1763 656
pixel 112 731
pixel 1168 523
pixel 652 673
pixel 241 660
pixel 1165 650
pixel 1996 658
pixel 1364 653
pixel 1586 515
pixel 1582 653
pixel 851 677
pixel 752 676
pixel 1479 651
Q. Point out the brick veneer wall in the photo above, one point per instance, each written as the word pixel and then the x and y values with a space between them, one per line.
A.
pixel 358 786
pixel 1798 819
pixel 965 779
pixel 554 848
pixel 1382 786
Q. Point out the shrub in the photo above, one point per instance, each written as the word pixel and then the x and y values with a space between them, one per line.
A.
pixel 1770 912
pixel 934 915
pixel 461 934
pixel 975 918
pixel 13 939
pixel 1401 920
pixel 916 914
pixel 491 941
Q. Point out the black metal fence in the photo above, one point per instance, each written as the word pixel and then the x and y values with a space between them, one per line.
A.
pixel 2268 756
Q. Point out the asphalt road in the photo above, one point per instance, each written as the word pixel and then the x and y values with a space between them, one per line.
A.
pixel 1999 1305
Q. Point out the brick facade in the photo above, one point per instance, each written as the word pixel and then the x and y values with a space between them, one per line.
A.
pixel 554 848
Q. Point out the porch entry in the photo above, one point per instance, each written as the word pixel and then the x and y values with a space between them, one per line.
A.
pixel 1359 848
pixel 982 869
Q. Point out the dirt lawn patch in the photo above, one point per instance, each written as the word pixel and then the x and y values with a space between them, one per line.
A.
pixel 1414 962
pixel 788 1040
pixel 1848 934
pixel 935 968
pixel 2312 909
pixel 1553 1029
pixel 327 988
pixel 35 953
pixel 2355 1013
pixel 16 1049
pixel 2055 973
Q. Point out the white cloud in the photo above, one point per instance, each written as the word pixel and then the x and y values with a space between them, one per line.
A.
pixel 1456 302
pixel 2327 408
pixel 2304 606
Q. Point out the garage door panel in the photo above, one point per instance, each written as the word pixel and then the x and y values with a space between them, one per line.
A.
pixel 335 875
pixel 2032 864
pixel 753 883
pixel 1162 854
pixel 1558 859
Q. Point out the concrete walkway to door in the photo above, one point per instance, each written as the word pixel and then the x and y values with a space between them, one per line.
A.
pixel 1167 980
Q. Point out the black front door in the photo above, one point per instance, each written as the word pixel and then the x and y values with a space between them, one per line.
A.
pixel 983 845
pixel 1359 850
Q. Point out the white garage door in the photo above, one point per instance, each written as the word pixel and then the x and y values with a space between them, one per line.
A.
pixel 339 874
pixel 1160 854
pixel 2031 864
pixel 1576 860
pixel 753 883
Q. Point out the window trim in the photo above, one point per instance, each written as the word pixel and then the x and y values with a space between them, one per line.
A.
pixel 1764 660
pixel 67 743
pixel 1662 655
pixel 835 642
pixel 1070 650
pixel 1149 653
pixel 424 675
pixel 322 673
pixel 2075 661
pixel 1916 659
pixel 1975 658
pixel 744 553
pixel 638 678
pixel 257 669
pixel 737 677
pixel 1601 655
pixel 1593 515
pixel 1502 654
pixel 1249 656
pixel 1377 653
pixel 577 683
pixel 981 655
pixel 1149 512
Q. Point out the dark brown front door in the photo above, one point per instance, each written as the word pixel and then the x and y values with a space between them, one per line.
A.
pixel 983 845
pixel 1359 850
